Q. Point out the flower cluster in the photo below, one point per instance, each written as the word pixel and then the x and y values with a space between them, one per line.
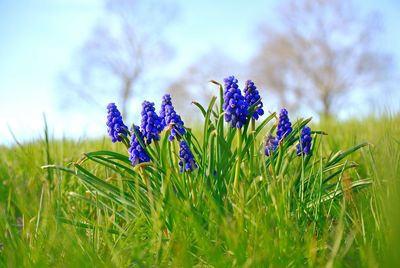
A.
pixel 115 125
pixel 151 123
pixel 137 153
pixel 284 126
pixel 304 146
pixel 169 116
pixel 270 144
pixel 187 161
pixel 284 129
pixel 252 96
pixel 235 105
pixel 236 112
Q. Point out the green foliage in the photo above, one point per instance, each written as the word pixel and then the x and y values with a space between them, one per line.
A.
pixel 92 208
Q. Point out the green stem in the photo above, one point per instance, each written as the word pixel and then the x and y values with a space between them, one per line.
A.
pixel 158 148
pixel 174 162
pixel 192 191
pixel 149 190
pixel 220 126
pixel 239 158
pixel 253 127
pixel 125 141
pixel 155 223
pixel 159 155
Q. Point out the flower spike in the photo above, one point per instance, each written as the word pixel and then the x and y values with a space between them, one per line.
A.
pixel 137 153
pixel 304 146
pixel 284 126
pixel 252 96
pixel 187 161
pixel 169 116
pixel 115 125
pixel 235 105
pixel 151 123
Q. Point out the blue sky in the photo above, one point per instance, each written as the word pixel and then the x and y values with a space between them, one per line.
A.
pixel 39 39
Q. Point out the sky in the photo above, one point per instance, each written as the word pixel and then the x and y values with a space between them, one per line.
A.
pixel 39 39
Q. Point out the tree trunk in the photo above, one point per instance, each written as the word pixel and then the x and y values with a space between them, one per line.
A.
pixel 326 104
pixel 125 96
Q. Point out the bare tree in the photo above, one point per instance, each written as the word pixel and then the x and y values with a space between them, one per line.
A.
pixel 121 50
pixel 321 51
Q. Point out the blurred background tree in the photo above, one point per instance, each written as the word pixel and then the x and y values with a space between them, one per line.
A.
pixel 313 56
pixel 320 52
pixel 117 58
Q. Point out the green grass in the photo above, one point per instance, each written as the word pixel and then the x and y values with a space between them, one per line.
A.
pixel 284 211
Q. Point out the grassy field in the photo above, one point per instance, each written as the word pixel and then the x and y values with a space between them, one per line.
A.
pixel 285 211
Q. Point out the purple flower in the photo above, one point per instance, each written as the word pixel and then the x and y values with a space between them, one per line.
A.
pixel 235 105
pixel 169 116
pixel 304 146
pixel 270 144
pixel 252 96
pixel 284 126
pixel 151 122
pixel 187 161
pixel 115 125
pixel 137 154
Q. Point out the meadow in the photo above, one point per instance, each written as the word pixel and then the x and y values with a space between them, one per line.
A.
pixel 81 203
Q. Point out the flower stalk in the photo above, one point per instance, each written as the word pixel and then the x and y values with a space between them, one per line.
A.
pixel 239 158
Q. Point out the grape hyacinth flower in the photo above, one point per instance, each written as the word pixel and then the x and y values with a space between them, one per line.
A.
pixel 270 144
pixel 169 116
pixel 304 146
pixel 115 125
pixel 151 122
pixel 284 126
pixel 187 161
pixel 252 96
pixel 235 105
pixel 137 153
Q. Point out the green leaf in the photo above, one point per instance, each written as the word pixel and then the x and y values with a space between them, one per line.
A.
pixel 341 155
pixel 201 108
